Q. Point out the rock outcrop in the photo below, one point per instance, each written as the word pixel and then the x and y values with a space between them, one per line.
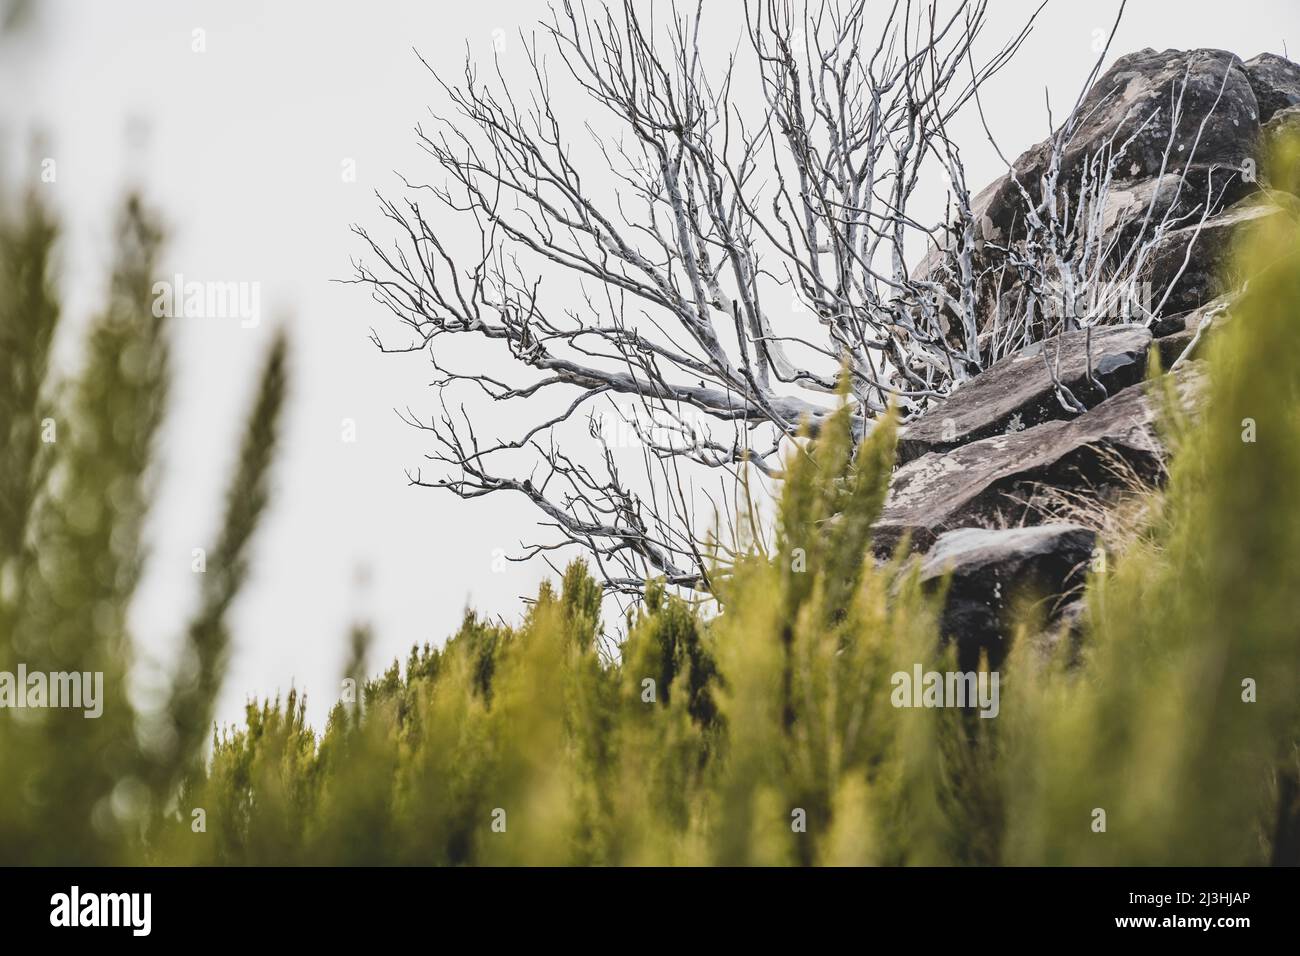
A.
pixel 1276 83
pixel 1118 112
pixel 996 480
pixel 1190 267
pixel 1200 169
pixel 1018 392
pixel 992 573
pixel 973 469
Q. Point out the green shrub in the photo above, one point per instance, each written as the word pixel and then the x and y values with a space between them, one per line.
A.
pixel 762 734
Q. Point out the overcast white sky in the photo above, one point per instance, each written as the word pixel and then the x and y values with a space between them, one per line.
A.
pixel 241 147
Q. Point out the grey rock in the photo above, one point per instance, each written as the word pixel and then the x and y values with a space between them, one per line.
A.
pixel 1017 392
pixel 1125 217
pixel 1173 346
pixel 1168 325
pixel 1216 171
pixel 1205 320
pixel 995 479
pixel 1070 625
pixel 1217 91
pixel 992 573
pixel 1183 281
pixel 1276 82
pixel 1284 121
pixel 1281 170
pixel 1212 313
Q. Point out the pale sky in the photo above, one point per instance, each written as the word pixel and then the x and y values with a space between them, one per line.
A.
pixel 241 148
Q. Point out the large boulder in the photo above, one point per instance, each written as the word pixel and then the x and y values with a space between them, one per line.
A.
pixel 994 573
pixel 1276 82
pixel 1214 157
pixel 1018 392
pixel 1128 109
pixel 995 481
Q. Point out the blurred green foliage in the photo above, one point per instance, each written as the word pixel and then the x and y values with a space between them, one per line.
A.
pixel 75 484
pixel 763 734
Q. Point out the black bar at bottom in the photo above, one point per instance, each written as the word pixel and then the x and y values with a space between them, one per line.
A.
pixel 334 906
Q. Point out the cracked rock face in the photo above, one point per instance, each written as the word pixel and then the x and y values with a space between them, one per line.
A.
pixel 993 573
pixel 995 480
pixel 1018 392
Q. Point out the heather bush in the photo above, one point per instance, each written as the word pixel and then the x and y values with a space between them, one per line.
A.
pixel 760 730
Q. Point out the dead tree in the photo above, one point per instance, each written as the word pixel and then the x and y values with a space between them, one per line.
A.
pixel 726 250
